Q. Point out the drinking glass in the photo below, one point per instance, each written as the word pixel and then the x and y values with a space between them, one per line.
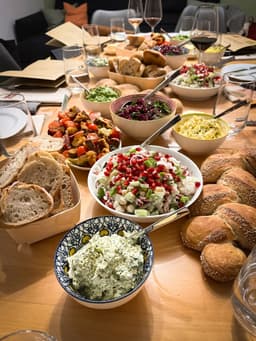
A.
pixel 233 101
pixel 153 13
pixel 135 14
pixel 28 335
pixel 244 294
pixel 205 28
pixel 91 40
pixel 186 25
pixel 117 29
pixel 75 66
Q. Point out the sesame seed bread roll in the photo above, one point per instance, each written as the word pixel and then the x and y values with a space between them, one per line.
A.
pixel 242 220
pixel 241 181
pixel 212 196
pixel 196 232
pixel 222 262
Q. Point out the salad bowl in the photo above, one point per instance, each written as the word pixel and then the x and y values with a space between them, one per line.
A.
pixel 103 183
pixel 196 82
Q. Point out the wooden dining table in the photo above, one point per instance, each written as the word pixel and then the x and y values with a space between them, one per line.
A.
pixel 177 303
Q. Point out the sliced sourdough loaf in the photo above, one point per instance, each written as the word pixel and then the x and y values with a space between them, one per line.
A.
pixel 43 171
pixel 23 203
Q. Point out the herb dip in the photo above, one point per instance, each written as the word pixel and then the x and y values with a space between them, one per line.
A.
pixel 102 94
pixel 106 267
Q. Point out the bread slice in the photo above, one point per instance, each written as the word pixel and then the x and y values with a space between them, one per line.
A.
pixel 11 168
pixel 23 203
pixel 44 171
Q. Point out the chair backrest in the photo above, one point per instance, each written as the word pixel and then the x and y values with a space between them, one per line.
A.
pixel 7 62
pixel 102 17
pixel 190 10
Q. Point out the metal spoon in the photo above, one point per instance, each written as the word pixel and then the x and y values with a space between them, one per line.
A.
pixel 179 213
pixel 79 83
pixel 170 76
pixel 161 130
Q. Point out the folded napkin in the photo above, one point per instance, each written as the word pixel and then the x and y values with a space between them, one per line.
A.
pixel 34 125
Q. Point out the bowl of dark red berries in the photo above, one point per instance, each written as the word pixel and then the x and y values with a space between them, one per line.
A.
pixel 175 55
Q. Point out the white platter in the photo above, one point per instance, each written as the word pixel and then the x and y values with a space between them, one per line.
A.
pixel 184 160
pixel 248 73
pixel 12 120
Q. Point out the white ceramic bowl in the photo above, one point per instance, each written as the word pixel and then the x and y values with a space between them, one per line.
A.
pixel 98 71
pixel 102 107
pixel 140 130
pixel 199 145
pixel 100 164
pixel 194 94
pixel 176 61
pixel 75 238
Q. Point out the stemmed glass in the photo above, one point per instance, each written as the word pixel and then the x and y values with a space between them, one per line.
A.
pixel 135 14
pixel 153 13
pixel 205 29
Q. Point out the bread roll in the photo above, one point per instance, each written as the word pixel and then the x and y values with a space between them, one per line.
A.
pixel 216 164
pixel 241 181
pixel 212 196
pixel 23 203
pixel 105 82
pixel 154 57
pixel 222 262
pixel 242 220
pixel 201 230
pixel 44 171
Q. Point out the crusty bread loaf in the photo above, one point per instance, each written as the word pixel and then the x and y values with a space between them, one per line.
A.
pixel 23 203
pixel 131 66
pixel 242 219
pixel 153 71
pixel 44 171
pixel 212 196
pixel 48 143
pixel 154 57
pixel 222 262
pixel 196 232
pixel 241 181
pixel 216 164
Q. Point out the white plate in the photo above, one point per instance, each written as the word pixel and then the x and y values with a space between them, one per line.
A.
pixel 12 120
pixel 184 160
pixel 243 75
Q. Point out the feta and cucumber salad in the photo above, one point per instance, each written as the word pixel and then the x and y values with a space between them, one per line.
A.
pixel 145 183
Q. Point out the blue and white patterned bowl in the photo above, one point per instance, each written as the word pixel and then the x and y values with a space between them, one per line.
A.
pixel 78 236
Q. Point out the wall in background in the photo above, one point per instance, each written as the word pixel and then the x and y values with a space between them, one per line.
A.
pixel 248 6
pixel 14 9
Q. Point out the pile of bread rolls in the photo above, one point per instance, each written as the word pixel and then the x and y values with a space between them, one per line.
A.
pixel 222 224
pixel 147 63
pixel 34 184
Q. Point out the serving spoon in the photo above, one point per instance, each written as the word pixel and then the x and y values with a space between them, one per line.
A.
pixel 173 216
pixel 170 76
pixel 80 84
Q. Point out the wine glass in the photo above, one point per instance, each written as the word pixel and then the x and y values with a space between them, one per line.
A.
pixel 205 29
pixel 153 13
pixel 135 14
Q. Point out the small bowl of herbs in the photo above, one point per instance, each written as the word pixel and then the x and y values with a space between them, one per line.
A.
pixel 98 99
pixel 139 118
